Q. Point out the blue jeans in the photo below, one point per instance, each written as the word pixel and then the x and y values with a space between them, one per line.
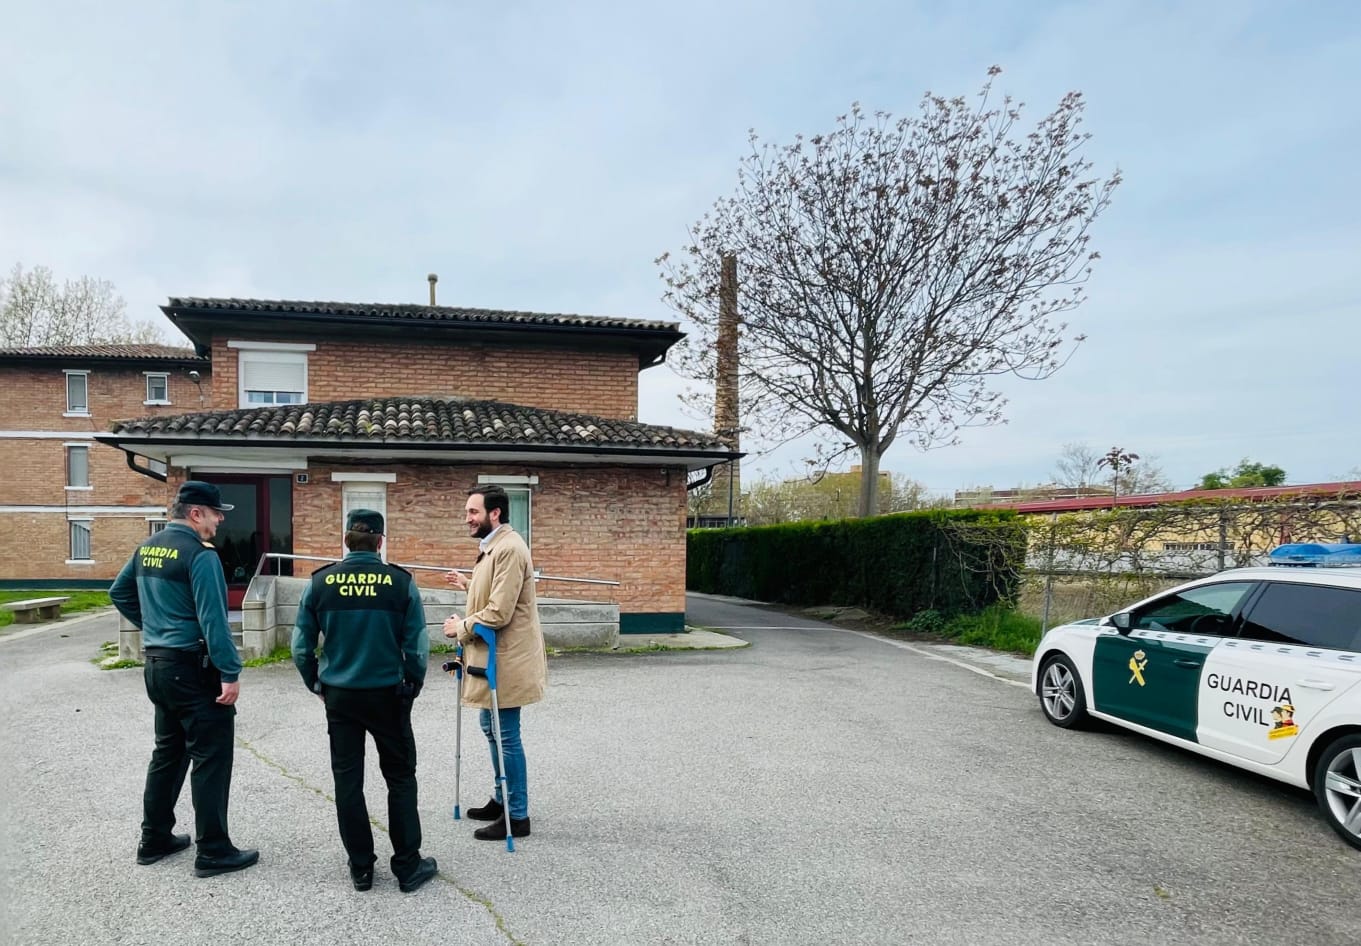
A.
pixel 517 777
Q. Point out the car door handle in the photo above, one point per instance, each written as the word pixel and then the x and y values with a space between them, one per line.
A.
pixel 1316 684
pixel 1188 664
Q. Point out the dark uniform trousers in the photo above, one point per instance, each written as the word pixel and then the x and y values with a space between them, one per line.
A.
pixel 190 727
pixel 351 713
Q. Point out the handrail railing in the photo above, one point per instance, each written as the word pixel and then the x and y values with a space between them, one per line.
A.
pixel 428 568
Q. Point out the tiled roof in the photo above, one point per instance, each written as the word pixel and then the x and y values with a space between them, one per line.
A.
pixel 422 420
pixel 140 352
pixel 414 313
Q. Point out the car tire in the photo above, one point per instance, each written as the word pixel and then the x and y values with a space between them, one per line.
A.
pixel 1061 694
pixel 1337 786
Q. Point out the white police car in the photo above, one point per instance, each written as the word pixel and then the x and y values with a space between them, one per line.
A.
pixel 1256 667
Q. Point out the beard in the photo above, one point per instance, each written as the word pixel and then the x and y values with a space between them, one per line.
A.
pixel 482 531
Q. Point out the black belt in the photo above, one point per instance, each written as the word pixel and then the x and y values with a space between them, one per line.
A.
pixel 174 653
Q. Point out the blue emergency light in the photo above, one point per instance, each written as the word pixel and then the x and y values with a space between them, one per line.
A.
pixel 1313 555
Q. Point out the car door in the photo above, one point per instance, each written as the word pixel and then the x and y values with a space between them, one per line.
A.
pixel 1151 675
pixel 1296 653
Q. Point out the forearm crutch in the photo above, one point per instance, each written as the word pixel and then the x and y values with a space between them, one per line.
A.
pixel 458 726
pixel 489 673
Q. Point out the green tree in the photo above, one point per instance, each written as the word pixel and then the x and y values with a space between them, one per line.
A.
pixel 1247 473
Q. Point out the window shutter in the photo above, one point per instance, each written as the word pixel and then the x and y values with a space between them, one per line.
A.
pixel 263 373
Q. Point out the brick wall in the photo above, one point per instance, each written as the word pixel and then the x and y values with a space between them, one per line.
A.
pixel 35 468
pixel 39 544
pixel 615 523
pixel 601 383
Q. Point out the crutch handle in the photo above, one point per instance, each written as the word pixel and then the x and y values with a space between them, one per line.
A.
pixel 487 634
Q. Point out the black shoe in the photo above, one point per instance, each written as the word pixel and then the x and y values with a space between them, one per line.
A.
pixel 363 878
pixel 151 852
pixel 496 831
pixel 488 812
pixel 224 863
pixel 426 869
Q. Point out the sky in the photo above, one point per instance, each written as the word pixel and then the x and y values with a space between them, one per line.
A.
pixel 540 156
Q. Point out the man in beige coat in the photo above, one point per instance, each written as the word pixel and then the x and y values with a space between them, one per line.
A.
pixel 501 596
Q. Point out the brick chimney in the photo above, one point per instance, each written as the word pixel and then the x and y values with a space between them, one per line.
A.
pixel 727 489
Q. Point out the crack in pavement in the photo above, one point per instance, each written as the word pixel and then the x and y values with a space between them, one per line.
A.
pixel 467 893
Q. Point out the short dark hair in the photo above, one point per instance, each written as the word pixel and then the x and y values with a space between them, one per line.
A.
pixel 362 540
pixel 493 497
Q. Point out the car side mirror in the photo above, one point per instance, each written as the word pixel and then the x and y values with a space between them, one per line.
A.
pixel 1121 622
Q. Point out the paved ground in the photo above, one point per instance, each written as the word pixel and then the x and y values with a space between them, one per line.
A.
pixel 821 786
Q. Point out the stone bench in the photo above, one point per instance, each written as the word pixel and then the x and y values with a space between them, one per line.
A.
pixel 35 609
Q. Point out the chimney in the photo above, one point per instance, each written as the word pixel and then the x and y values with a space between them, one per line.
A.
pixel 432 278
pixel 727 418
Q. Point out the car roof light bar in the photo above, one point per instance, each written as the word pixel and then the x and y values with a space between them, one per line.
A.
pixel 1313 555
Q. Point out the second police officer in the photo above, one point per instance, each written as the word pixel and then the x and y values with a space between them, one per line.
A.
pixel 367 617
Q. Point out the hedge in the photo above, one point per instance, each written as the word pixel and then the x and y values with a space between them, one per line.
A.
pixel 951 562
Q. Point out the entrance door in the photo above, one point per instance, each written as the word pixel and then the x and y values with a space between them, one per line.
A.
pixel 261 522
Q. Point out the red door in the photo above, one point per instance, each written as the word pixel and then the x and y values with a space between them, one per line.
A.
pixel 261 522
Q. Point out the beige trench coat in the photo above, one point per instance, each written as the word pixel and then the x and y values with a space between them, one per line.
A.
pixel 501 596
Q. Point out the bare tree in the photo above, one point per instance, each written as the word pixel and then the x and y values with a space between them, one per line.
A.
pixel 891 267
pixel 35 310
pixel 1078 466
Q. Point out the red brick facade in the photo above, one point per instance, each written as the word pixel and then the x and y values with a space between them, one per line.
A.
pixel 600 383
pixel 623 524
pixel 118 504
pixel 620 523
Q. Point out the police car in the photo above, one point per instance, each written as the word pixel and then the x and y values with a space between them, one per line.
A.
pixel 1256 667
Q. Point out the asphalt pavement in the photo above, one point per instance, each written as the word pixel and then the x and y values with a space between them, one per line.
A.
pixel 820 786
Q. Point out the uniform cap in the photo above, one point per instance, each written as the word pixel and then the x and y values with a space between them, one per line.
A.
pixel 370 521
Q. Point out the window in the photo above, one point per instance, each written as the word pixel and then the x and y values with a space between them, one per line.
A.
pixel 157 388
pixel 1205 609
pixel 1312 615
pixel 155 525
pixel 364 495
pixel 271 372
pixel 77 466
pixel 80 540
pixel 519 510
pixel 77 392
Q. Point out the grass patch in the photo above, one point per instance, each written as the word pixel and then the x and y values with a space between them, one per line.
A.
pixel 998 628
pixel 108 658
pixel 276 656
pixel 82 600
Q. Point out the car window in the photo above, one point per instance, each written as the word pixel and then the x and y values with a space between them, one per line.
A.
pixel 1205 609
pixel 1312 615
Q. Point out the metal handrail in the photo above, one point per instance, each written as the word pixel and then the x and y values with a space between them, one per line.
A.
pixel 427 568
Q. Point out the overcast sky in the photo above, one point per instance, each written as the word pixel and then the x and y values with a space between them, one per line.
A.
pixel 541 155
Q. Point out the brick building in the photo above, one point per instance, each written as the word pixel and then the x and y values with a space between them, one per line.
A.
pixel 71 509
pixel 310 409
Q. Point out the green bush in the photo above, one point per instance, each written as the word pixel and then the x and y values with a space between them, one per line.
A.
pixel 949 562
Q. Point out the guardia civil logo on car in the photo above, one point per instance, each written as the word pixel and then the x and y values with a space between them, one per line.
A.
pixel 1256 667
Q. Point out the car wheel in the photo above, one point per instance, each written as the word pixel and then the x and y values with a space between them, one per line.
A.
pixel 1337 786
pixel 1061 695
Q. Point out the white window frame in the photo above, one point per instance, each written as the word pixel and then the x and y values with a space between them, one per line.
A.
pixel 165 379
pixel 155 524
pixel 88 525
pixel 368 486
pixel 89 479
pixel 85 375
pixel 288 352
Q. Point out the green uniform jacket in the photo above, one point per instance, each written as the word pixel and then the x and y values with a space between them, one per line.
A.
pixel 370 622
pixel 173 589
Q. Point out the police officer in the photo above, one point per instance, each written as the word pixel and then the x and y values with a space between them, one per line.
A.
pixel 174 590
pixel 371 624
